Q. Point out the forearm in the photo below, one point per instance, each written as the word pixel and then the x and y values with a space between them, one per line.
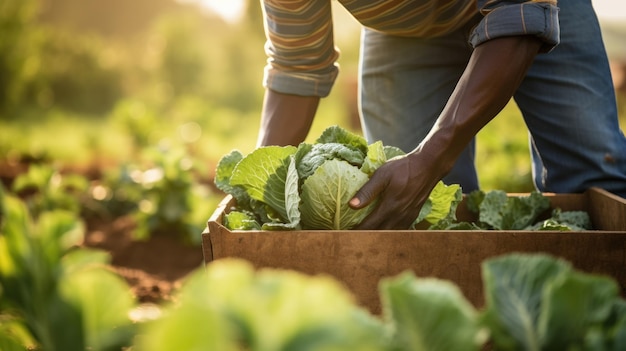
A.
pixel 494 72
pixel 286 119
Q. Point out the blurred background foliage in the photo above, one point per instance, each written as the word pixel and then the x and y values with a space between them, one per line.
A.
pixel 89 86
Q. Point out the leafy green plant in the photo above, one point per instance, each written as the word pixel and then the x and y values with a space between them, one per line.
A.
pixel 533 302
pixel 161 191
pixel 53 295
pixel 498 211
pixel 172 201
pixel 230 306
pixel 537 302
pixel 44 188
pixel 309 186
pixel 429 314
pixel 135 118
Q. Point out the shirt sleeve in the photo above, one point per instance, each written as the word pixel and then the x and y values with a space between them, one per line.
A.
pixel 300 48
pixel 512 18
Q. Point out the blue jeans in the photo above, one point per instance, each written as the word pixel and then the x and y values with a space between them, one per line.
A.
pixel 567 100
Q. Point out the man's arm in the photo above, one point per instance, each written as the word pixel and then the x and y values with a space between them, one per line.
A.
pixel 286 119
pixel 494 72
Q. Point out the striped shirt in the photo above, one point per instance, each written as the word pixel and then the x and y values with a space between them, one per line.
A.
pixel 302 55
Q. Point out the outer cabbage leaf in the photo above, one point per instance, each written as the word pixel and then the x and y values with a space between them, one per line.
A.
pixel 572 305
pixel 445 199
pixel 292 200
pixel 103 299
pixel 538 302
pixel 263 174
pixel 564 221
pixel 194 322
pixel 514 287
pixel 375 158
pixel 429 314
pixel 502 212
pixel 240 220
pixel 223 174
pixel 224 171
pixel 326 193
pixel 392 151
pixel 440 208
pixel 285 310
pixel 617 330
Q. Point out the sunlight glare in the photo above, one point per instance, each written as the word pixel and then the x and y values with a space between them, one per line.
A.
pixel 229 10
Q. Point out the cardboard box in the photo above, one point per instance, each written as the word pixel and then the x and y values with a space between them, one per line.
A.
pixel 360 259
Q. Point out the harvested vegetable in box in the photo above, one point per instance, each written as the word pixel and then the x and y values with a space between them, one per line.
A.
pixel 309 186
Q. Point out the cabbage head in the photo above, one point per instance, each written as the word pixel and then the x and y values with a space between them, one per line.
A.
pixel 306 187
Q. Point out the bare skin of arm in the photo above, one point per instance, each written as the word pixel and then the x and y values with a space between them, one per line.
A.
pixel 286 119
pixel 402 186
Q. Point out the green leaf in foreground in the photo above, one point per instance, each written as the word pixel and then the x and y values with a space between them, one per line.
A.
pixel 573 304
pixel 191 324
pixel 232 306
pixel 429 314
pixel 539 302
pixel 514 286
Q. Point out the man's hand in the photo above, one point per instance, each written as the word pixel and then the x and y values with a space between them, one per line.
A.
pixel 402 185
pixel 494 72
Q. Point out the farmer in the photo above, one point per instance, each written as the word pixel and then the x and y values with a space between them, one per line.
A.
pixel 434 72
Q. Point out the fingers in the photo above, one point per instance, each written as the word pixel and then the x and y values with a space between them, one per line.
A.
pixel 368 192
pixel 399 199
pixel 387 216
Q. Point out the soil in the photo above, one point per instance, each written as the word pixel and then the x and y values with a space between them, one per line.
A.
pixel 154 268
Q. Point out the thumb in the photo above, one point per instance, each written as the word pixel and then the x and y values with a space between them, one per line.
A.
pixel 368 193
